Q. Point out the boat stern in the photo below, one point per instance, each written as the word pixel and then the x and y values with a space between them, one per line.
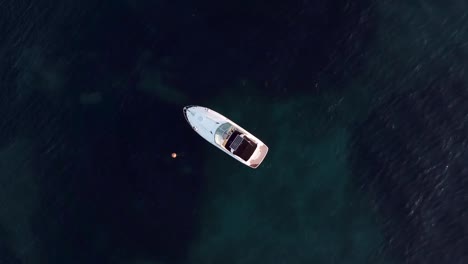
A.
pixel 258 156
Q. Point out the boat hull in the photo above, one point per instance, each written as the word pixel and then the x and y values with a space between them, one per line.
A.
pixel 206 122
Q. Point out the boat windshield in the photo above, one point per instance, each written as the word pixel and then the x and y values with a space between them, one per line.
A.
pixel 222 133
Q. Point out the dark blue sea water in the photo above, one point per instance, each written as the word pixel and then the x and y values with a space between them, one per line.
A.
pixel 363 104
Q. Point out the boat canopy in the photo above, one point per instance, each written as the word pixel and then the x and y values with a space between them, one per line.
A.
pixel 223 132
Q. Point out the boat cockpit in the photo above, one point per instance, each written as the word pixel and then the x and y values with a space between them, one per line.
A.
pixel 228 137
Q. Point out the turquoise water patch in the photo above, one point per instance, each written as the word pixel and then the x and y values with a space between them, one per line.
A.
pixel 299 205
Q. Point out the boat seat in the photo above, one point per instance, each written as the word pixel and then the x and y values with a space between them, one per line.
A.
pixel 245 149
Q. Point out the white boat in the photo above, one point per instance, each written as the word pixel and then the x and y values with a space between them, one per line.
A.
pixel 226 135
